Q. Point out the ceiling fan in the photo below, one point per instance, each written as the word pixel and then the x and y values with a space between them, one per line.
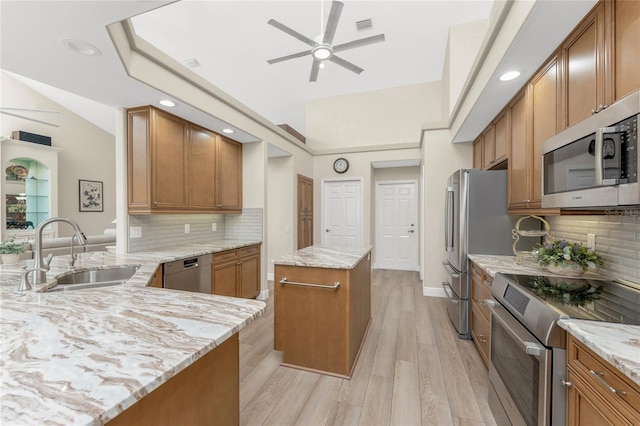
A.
pixel 323 50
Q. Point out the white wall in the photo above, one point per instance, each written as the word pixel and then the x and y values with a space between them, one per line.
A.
pixel 441 158
pixel 281 223
pixel 371 120
pixel 88 152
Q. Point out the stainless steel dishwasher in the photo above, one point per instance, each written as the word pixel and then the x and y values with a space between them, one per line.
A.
pixel 192 274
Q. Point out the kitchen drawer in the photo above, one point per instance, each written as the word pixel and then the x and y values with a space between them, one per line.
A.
pixel 225 256
pixel 480 332
pixel 479 292
pixel 604 379
pixel 248 251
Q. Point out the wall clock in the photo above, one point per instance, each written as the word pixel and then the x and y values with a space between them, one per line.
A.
pixel 341 165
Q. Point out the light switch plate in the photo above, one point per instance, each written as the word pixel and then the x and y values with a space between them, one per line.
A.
pixel 214 227
pixel 187 228
pixel 591 241
pixel 135 232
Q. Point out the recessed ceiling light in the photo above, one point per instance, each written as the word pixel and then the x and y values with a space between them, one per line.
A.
pixel 81 47
pixel 228 131
pixel 167 103
pixel 509 75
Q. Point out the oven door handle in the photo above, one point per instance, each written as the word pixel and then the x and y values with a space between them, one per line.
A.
pixel 517 332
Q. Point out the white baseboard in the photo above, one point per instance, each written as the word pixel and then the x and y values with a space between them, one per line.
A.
pixel 263 295
pixel 270 276
pixel 433 292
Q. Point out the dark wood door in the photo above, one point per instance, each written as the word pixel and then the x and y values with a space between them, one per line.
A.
pixel 305 211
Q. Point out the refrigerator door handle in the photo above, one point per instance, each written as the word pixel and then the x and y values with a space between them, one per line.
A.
pixel 450 270
pixel 448 219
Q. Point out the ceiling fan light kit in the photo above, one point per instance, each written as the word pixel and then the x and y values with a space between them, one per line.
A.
pixel 323 50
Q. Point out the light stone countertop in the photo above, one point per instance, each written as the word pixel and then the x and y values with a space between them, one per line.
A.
pixel 324 256
pixel 82 357
pixel 619 344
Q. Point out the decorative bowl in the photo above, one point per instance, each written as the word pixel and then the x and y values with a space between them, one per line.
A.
pixel 570 271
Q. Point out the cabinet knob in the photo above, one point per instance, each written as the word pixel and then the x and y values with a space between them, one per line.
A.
pixel 566 384
pixel 155 203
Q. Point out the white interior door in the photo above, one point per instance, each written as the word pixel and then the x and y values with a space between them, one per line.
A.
pixel 342 213
pixel 397 226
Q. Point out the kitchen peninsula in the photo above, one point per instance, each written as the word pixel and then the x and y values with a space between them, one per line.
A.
pixel 85 357
pixel 322 307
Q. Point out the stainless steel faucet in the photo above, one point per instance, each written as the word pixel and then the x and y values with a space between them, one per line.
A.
pixel 41 267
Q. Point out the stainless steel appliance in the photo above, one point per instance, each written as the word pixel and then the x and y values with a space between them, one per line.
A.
pixel 476 222
pixel 528 365
pixel 193 274
pixel 595 162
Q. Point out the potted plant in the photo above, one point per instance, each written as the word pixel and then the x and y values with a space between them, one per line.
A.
pixel 568 258
pixel 10 251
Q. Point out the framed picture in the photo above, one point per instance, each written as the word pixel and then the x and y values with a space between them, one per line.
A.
pixel 91 196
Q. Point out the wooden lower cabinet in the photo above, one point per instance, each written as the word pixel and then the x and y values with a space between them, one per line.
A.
pixel 480 316
pixel 591 399
pixel 236 272
pixel 322 329
pixel 205 393
pixel 156 278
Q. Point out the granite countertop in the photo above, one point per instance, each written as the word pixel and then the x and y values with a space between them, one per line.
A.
pixel 619 344
pixel 82 357
pixel 324 256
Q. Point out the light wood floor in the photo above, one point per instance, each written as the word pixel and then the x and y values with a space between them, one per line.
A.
pixel 412 370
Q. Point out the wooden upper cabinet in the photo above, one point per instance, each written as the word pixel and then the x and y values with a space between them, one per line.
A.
pixel 583 69
pixel 229 175
pixel 202 173
pixel 626 39
pixel 501 137
pixel 520 187
pixel 477 153
pixel 175 166
pixel 544 95
pixel 488 147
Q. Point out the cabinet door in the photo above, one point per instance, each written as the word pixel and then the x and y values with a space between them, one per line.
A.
pixel 519 153
pixel 250 277
pixel 229 174
pixel 138 158
pixel 202 175
pixel 584 407
pixel 224 279
pixel 170 161
pixel 627 54
pixel 477 153
pixel 488 147
pixel 544 98
pixel 501 136
pixel 583 69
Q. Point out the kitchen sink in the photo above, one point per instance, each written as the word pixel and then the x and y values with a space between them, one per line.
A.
pixel 95 278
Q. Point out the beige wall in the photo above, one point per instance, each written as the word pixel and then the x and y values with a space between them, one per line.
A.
pixel 441 158
pixel 281 223
pixel 372 119
pixel 88 152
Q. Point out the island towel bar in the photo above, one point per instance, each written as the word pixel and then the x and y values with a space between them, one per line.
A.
pixel 335 285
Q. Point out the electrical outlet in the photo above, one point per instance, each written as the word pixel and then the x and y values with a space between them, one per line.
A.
pixel 187 228
pixel 591 241
pixel 214 227
pixel 135 232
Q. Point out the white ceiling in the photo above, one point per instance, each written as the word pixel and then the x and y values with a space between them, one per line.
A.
pixel 232 42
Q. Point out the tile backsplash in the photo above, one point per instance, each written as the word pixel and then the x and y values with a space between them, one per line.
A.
pixel 617 240
pixel 160 230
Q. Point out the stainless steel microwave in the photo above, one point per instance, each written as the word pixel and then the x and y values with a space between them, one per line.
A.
pixel 595 162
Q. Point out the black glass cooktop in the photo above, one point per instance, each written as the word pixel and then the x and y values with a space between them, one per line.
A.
pixel 583 298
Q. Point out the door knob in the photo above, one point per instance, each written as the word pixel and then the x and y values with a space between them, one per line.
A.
pixel 327 230
pixel 411 230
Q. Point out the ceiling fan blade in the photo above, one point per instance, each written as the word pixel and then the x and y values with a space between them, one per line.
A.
pixel 291 32
pixel 292 56
pixel 332 22
pixel 314 70
pixel 360 42
pixel 346 64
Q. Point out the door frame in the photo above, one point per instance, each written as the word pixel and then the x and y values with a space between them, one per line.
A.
pixel 417 266
pixel 323 183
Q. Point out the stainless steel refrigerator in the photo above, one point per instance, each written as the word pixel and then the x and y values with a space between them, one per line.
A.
pixel 476 222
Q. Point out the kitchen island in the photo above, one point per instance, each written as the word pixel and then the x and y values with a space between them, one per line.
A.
pixel 322 307
pixel 84 357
